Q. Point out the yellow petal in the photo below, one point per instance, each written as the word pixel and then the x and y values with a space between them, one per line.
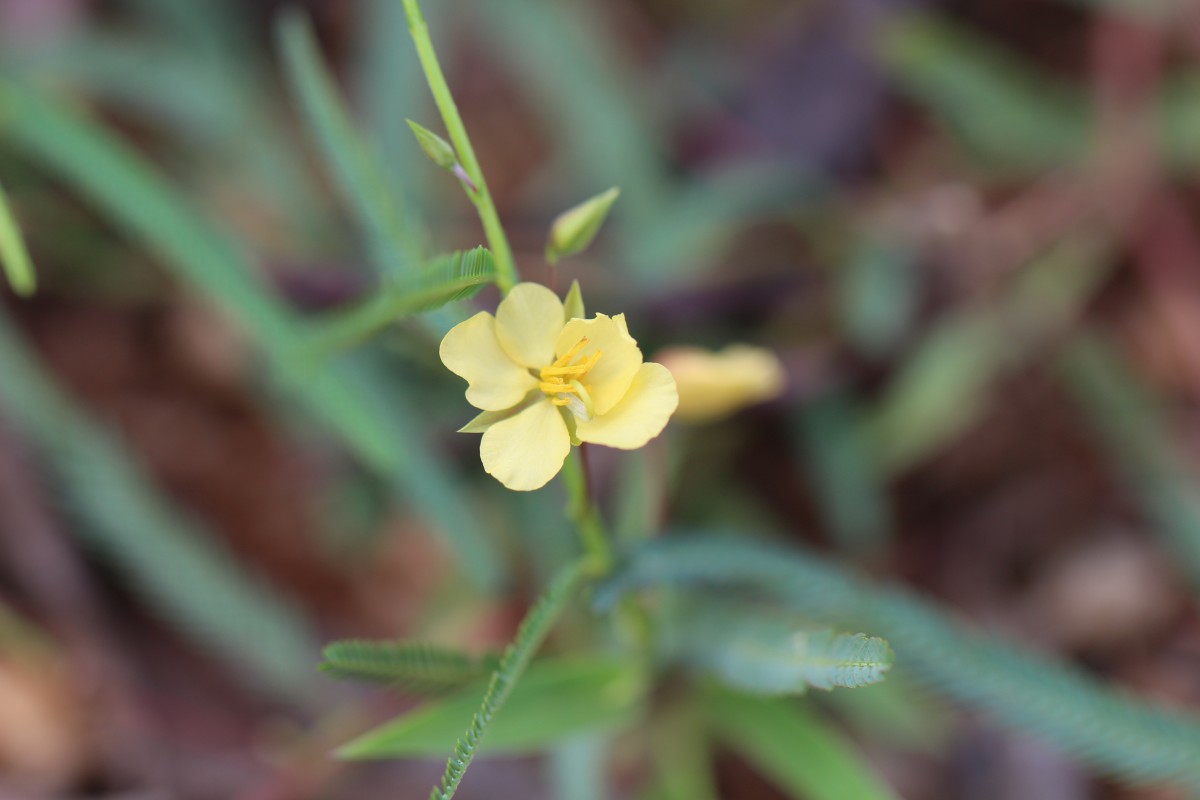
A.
pixel 640 416
pixel 528 321
pixel 471 351
pixel 714 385
pixel 526 450
pixel 486 419
pixel 610 378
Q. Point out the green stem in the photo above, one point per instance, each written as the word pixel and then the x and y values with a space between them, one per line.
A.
pixel 584 514
pixel 506 269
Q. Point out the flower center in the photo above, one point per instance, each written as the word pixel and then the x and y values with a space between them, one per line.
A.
pixel 563 383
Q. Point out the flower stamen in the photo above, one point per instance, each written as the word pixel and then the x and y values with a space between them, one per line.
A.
pixel 562 381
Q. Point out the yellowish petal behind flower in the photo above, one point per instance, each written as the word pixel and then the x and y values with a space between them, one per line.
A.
pixel 472 351
pixel 714 385
pixel 528 322
pixel 640 415
pixel 526 450
pixel 614 371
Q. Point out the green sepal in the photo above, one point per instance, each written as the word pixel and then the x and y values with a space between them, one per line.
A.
pixel 573 306
pixel 438 149
pixel 574 229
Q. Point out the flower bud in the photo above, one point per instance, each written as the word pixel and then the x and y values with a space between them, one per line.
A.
pixel 574 229
pixel 438 149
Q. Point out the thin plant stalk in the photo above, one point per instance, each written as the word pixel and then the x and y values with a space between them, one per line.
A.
pixel 506 269
pixel 583 512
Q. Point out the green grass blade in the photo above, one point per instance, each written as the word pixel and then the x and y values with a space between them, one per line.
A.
pixel 559 51
pixel 168 558
pixel 388 87
pixel 1141 445
pixel 213 26
pixel 1123 737
pixel 803 755
pixel 533 631
pixel 14 258
pixel 361 179
pixel 222 117
pixel 851 495
pixel 945 385
pixel 1006 112
pixel 350 398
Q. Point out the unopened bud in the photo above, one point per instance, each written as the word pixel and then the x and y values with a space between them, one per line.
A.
pixel 574 229
pixel 438 149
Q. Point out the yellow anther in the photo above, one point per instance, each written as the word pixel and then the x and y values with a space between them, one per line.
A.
pixel 561 381
pixel 566 357
pixel 578 369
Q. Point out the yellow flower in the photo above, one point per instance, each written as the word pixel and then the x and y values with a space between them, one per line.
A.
pixel 544 381
pixel 714 385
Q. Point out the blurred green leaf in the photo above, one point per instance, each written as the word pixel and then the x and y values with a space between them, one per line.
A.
pixel 877 295
pixel 416 667
pixel 372 415
pixel 945 385
pixel 589 92
pixel 897 712
pixel 450 277
pixel 703 216
pixel 14 258
pixel 1141 444
pixel 388 87
pixel 850 492
pixel 553 700
pixel 167 557
pixel 682 755
pixel 223 115
pixel 389 234
pixel 801 754
pixel 216 26
pixel 760 650
pixel 1008 112
pixel 578 768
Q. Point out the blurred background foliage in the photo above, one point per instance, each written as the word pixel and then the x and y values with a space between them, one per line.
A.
pixel 967 227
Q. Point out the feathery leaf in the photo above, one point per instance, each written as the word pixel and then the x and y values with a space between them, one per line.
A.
pixel 530 635
pixel 1120 735
pixel 760 650
pixel 450 277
